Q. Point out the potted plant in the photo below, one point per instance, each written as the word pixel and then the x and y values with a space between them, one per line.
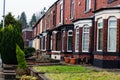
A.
pixel 73 60
pixel 67 59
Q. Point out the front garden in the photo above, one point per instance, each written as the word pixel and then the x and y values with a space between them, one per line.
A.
pixel 75 73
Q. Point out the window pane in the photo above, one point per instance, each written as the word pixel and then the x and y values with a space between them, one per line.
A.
pixel 100 39
pixel 69 42
pixel 85 38
pixel 85 41
pixel 77 41
pixel 112 23
pixel 112 39
pixel 58 41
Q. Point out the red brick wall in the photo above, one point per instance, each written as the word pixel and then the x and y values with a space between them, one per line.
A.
pixel 67 6
pixel 58 14
pixel 105 33
pixel 43 24
pixel 27 35
pixel 118 35
pixel 101 57
pixel 80 39
pixel 95 36
pixel 53 11
pixel 90 38
pixel 104 4
pixel 74 37
pixel 80 9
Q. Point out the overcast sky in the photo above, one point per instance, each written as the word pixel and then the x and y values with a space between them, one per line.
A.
pixel 16 7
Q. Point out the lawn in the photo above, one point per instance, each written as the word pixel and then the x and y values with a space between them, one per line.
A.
pixel 75 73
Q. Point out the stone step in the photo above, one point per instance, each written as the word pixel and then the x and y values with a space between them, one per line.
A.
pixel 9 71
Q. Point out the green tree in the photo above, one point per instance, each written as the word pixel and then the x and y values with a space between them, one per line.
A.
pixel 10 20
pixel 20 58
pixel 10 37
pixel 23 20
pixel 33 20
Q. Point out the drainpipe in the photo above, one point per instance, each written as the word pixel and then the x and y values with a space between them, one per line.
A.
pixel 93 22
pixel 95 5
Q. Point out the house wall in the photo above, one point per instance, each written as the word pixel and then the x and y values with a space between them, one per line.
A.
pixel 82 17
pixel 104 4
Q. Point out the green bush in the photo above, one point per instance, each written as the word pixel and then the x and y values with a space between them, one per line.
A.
pixel 29 51
pixel 20 58
pixel 10 37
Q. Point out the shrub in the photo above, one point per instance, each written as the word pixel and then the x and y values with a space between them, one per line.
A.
pixel 29 51
pixel 20 58
pixel 10 37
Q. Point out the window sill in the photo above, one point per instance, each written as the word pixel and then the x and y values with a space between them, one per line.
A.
pixel 69 50
pixel 71 19
pixel 87 11
pixel 56 51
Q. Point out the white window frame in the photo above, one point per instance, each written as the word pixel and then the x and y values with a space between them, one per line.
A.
pixel 85 32
pixel 88 5
pixel 68 39
pixel 63 37
pixel 77 39
pixel 113 27
pixel 72 9
pixel 61 12
pixel 99 27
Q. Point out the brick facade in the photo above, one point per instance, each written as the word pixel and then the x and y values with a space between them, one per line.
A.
pixel 83 18
pixel 27 36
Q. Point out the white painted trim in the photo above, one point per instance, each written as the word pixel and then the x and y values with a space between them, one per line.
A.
pixel 81 23
pixel 105 14
pixel 56 51
pixel 54 32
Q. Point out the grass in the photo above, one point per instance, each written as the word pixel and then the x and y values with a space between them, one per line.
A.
pixel 62 69
pixel 75 73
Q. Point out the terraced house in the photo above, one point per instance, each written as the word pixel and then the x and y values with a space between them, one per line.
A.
pixel 88 30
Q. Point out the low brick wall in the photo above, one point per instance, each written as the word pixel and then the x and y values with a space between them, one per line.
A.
pixel 40 75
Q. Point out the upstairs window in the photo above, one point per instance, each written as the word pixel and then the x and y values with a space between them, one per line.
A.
pixel 88 5
pixel 54 18
pixel 72 9
pixel 112 33
pixel 61 12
